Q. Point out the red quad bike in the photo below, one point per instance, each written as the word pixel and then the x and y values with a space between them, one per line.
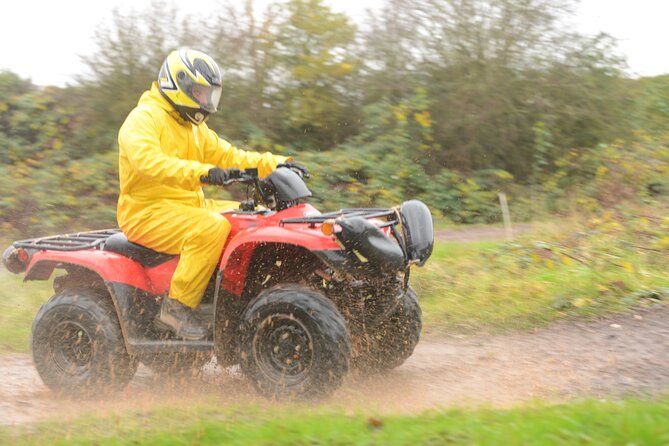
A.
pixel 298 297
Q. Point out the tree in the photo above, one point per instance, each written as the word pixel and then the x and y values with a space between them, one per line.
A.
pixel 391 53
pixel 242 43
pixel 314 68
pixel 492 70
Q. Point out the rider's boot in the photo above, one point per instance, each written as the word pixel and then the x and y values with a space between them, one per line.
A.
pixel 182 319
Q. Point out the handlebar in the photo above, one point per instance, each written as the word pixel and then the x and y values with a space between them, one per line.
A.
pixel 248 176
pixel 272 192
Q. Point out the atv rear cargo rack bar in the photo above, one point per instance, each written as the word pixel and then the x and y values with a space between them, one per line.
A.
pixel 390 214
pixel 69 242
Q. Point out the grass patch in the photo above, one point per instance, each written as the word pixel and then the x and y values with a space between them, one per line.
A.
pixel 19 303
pixel 587 422
pixel 574 270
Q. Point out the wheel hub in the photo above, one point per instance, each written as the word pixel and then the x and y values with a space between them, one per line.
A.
pixel 72 348
pixel 283 348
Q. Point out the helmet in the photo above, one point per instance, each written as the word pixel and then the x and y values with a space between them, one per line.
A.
pixel 191 81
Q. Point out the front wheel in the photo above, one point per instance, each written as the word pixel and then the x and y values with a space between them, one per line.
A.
pixel 293 343
pixel 391 343
pixel 77 344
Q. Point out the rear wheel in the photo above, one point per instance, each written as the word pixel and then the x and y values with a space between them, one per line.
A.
pixel 293 343
pixel 391 343
pixel 77 344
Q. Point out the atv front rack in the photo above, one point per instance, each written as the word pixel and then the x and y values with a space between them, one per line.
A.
pixel 68 242
pixel 367 213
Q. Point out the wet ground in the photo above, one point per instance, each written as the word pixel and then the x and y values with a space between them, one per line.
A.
pixel 625 354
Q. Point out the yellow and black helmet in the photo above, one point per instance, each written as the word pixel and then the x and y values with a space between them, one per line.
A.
pixel 191 81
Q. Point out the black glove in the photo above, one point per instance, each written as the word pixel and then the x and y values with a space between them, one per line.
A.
pixel 220 177
pixel 296 167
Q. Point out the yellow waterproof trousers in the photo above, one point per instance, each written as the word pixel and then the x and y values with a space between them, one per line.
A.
pixel 197 233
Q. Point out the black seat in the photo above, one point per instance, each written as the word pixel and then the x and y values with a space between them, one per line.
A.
pixel 120 244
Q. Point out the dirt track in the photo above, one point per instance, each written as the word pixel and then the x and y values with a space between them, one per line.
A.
pixel 621 355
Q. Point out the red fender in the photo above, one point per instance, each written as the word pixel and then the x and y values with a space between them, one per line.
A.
pixel 237 254
pixel 110 266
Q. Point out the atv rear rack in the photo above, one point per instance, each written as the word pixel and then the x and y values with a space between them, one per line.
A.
pixel 390 214
pixel 68 242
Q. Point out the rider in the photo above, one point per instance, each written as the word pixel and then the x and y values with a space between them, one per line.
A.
pixel 166 152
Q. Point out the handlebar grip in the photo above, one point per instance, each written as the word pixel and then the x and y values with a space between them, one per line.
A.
pixel 235 178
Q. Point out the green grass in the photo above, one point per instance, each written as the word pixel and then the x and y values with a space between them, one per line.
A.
pixel 495 286
pixel 587 423
pixel 18 304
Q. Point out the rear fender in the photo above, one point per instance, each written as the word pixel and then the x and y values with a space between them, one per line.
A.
pixel 98 269
pixel 129 288
pixel 111 267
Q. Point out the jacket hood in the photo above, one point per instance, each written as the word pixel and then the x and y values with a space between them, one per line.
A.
pixel 154 98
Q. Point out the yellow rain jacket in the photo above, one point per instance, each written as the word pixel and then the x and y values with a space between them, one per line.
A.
pixel 161 204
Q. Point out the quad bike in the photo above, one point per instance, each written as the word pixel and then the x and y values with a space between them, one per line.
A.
pixel 298 297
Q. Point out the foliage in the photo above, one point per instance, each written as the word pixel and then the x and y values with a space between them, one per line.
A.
pixel 444 101
pixel 313 64
pixel 581 422
pixel 85 198
pixel 609 174
pixel 390 162
pixel 493 69
pixel 651 109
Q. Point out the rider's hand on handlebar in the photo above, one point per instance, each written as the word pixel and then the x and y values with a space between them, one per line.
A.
pixel 220 177
pixel 297 167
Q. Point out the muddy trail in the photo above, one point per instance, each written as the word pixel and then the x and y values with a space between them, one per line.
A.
pixel 626 354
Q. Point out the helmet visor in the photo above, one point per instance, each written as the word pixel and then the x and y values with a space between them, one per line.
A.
pixel 207 96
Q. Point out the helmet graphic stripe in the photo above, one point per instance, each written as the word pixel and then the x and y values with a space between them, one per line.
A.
pixel 166 79
pixel 183 54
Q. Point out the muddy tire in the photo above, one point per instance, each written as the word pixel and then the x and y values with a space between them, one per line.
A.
pixel 393 341
pixel 77 345
pixel 177 365
pixel 294 344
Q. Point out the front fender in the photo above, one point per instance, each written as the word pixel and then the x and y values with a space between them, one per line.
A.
pixel 237 255
pixel 302 236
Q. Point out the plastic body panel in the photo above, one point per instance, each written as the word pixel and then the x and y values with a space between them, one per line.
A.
pixel 418 231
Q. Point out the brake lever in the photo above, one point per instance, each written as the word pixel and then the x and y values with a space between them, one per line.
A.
pixel 300 173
